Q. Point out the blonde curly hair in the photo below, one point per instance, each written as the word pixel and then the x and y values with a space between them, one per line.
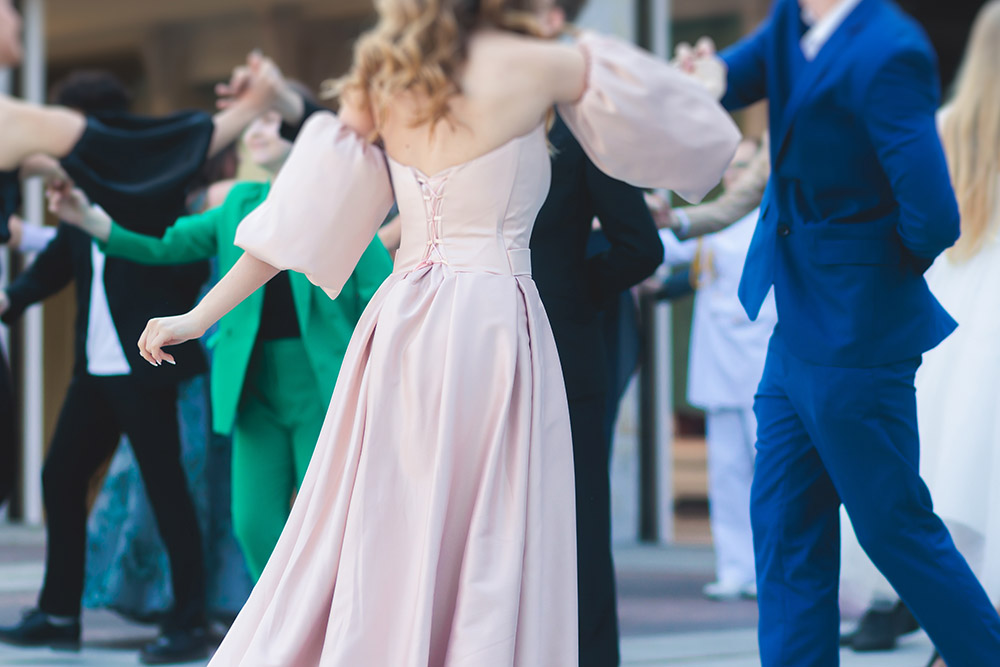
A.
pixel 419 46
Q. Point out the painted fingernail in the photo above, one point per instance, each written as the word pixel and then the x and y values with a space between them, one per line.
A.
pixel 171 362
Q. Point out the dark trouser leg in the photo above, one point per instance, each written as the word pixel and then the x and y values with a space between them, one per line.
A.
pixel 621 347
pixel 8 434
pixel 149 417
pixel 595 568
pixel 86 434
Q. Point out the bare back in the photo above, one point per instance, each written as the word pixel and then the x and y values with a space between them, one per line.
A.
pixel 508 86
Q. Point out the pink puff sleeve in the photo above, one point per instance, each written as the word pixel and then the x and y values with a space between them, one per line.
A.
pixel 325 206
pixel 642 121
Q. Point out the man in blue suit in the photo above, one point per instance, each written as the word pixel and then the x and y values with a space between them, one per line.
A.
pixel 858 207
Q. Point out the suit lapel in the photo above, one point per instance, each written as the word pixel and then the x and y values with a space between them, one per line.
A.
pixel 831 58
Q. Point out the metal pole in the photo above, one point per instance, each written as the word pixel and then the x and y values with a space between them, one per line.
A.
pixel 649 452
pixel 33 85
pixel 5 89
pixel 662 42
pixel 4 270
pixel 656 460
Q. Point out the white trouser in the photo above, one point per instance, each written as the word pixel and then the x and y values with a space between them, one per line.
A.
pixel 732 436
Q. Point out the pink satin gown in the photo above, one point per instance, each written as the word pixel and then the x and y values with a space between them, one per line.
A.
pixel 435 525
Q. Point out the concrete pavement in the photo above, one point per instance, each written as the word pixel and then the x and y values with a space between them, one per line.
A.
pixel 665 621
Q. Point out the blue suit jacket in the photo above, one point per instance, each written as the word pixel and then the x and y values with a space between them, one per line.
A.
pixel 860 201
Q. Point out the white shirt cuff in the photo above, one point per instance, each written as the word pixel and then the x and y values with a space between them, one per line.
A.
pixel 34 238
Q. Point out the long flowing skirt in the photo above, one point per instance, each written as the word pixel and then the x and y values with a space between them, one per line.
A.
pixel 435 525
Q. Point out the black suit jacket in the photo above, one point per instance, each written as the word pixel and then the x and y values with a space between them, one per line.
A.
pixel 575 288
pixel 136 294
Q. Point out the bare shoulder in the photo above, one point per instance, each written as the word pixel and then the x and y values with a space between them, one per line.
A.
pixel 545 66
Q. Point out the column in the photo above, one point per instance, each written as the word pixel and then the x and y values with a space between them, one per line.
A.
pixel 33 85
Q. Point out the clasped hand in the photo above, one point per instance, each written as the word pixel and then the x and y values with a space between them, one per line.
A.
pixel 703 63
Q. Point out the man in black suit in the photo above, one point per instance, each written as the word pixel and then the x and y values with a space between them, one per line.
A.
pixel 575 289
pixel 113 391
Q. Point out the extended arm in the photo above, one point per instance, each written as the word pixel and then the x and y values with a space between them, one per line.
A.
pixel 190 239
pixel 736 202
pixel 247 276
pixel 746 80
pixel 26 129
pixel 649 124
pixel 900 118
pixel 319 217
pixel 254 88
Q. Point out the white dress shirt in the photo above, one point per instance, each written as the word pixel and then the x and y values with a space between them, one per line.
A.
pixel 105 355
pixel 34 238
pixel 820 31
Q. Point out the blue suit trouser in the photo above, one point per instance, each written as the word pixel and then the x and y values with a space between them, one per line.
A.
pixel 828 435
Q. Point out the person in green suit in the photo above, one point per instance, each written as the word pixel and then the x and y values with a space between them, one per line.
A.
pixel 276 356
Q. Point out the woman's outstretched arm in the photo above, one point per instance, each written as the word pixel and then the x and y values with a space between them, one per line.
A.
pixel 247 276
pixel 330 153
pixel 26 129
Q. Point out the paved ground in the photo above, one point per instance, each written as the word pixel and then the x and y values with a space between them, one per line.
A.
pixel 665 621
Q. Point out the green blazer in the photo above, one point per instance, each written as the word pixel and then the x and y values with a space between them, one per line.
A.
pixel 326 324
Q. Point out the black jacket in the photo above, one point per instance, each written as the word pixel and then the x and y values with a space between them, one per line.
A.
pixel 576 288
pixel 136 294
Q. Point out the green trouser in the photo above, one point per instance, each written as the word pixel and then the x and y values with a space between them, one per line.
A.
pixel 278 422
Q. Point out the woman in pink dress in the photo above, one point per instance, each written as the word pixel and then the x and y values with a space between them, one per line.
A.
pixel 435 525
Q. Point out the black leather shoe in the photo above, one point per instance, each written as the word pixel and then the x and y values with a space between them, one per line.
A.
pixel 876 632
pixel 35 629
pixel 879 629
pixel 904 619
pixel 176 647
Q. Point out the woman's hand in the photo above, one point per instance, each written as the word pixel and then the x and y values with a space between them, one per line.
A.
pixel 260 84
pixel 71 205
pixel 247 276
pixel 166 331
pixel 44 166
pixel 254 88
pixel 67 203
pixel 662 212
pixel 702 63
